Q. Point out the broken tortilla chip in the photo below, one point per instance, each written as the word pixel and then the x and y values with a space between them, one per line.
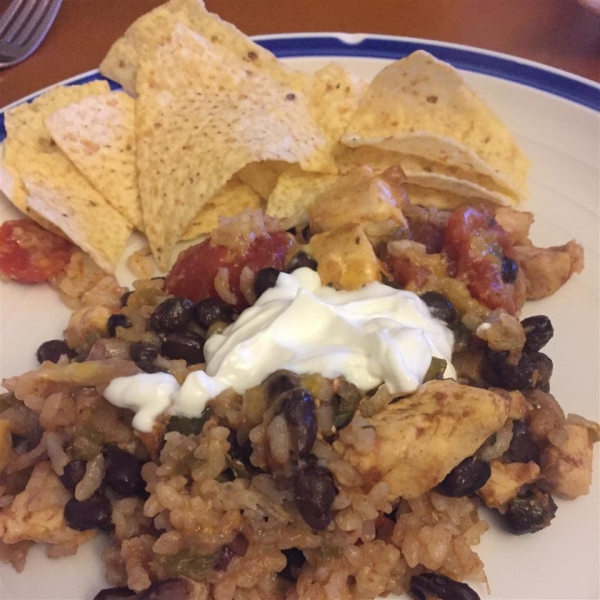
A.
pixel 230 200
pixel 152 29
pixel 200 118
pixel 98 135
pixel 53 187
pixel 422 106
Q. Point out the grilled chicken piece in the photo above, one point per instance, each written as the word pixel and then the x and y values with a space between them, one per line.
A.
pixel 361 196
pixel 515 222
pixel 548 269
pixel 422 437
pixel 568 469
pixel 37 512
pixel 505 481
pixel 345 257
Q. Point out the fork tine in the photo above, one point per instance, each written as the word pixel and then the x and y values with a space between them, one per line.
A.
pixel 26 16
pixel 9 13
pixel 38 33
pixel 35 18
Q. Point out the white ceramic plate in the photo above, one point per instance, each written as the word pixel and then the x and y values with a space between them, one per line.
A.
pixel 555 119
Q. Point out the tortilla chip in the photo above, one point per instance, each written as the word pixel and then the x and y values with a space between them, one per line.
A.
pixel 334 98
pixel 295 192
pixel 14 191
pixel 152 29
pixel 52 185
pixel 426 173
pixel 84 216
pixel 230 200
pixel 98 136
pixel 425 196
pixel 200 118
pixel 421 106
pixel 262 176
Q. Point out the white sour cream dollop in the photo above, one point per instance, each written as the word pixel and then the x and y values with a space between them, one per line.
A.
pixel 373 335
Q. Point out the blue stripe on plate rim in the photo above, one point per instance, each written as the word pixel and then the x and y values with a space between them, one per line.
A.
pixel 503 66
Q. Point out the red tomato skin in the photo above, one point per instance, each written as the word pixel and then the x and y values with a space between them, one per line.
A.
pixel 475 244
pixel 31 254
pixel 194 272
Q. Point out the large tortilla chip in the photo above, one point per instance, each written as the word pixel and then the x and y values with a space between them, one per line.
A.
pixel 98 135
pixel 233 198
pixel 426 173
pixel 152 29
pixel 200 118
pixel 334 98
pixel 52 185
pixel 421 106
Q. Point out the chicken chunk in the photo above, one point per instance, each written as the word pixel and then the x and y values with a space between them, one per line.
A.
pixel 422 437
pixel 361 196
pixel 37 512
pixel 568 469
pixel 548 269
pixel 345 257
pixel 515 222
pixel 86 326
pixel 505 481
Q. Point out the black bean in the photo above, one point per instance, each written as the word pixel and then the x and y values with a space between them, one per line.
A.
pixel 149 367
pixel 538 331
pixel 314 493
pixel 298 408
pixel 434 585
pixel 211 310
pixel 301 259
pixel 125 298
pixel 345 404
pixel 462 336
pixel 168 589
pixel 114 593
pixel 115 321
pixel 93 513
pixel 510 377
pixel 52 350
pixel 123 472
pixel 542 367
pixel 171 315
pixel 278 382
pixel 186 346
pixel 224 557
pixel 143 351
pixel 466 478
pixel 509 269
pixel 237 547
pixel 295 560
pixel 439 306
pixel 523 446
pixel 265 279
pixel 72 474
pixel 530 511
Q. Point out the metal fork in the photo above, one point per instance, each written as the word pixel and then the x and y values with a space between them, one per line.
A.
pixel 23 26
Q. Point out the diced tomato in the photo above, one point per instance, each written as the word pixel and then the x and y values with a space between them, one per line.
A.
pixel 475 245
pixel 405 272
pixel 193 275
pixel 31 254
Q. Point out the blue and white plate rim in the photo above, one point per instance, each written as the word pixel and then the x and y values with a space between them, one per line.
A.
pixel 581 91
